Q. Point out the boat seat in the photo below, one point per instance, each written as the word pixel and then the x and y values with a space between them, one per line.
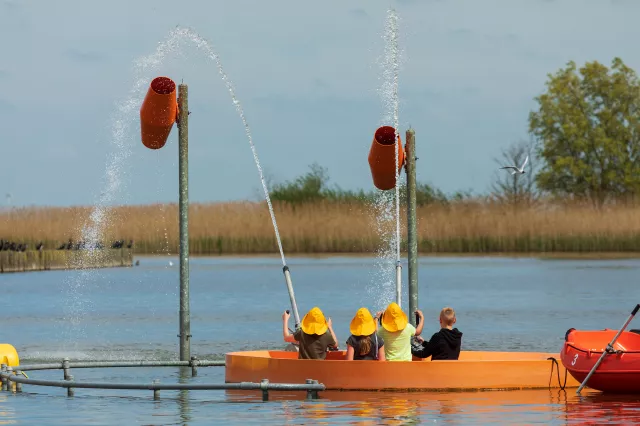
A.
pixel 635 330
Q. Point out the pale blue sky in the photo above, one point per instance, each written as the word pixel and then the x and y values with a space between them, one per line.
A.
pixel 307 76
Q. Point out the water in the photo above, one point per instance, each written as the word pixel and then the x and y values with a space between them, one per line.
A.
pixel 388 217
pixel 502 304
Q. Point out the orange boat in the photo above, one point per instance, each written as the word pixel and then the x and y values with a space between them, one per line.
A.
pixel 474 370
pixel 619 372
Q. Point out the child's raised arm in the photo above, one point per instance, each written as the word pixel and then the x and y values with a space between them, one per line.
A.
pixel 421 325
pixel 288 337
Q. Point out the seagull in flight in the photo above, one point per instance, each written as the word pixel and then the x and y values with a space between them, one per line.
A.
pixel 516 169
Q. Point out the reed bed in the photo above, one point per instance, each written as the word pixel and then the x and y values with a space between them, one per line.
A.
pixel 326 227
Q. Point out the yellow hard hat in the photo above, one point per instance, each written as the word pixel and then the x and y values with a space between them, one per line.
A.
pixel 393 318
pixel 362 324
pixel 314 322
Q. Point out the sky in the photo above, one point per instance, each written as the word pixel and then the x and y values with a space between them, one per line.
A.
pixel 308 76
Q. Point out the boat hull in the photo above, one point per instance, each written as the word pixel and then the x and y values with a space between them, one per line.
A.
pixel 618 373
pixel 473 371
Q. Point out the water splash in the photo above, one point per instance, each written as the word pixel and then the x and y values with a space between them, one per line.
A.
pixel 165 248
pixel 386 204
pixel 391 70
pixel 205 46
pixel 92 232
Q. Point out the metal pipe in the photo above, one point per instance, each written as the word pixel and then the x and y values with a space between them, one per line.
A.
pixel 194 366
pixel 183 155
pixel 3 371
pixel 309 391
pixel 18 385
pixel 171 386
pixel 65 368
pixel 412 224
pixel 608 349
pixel 292 296
pixel 399 283
pixel 10 385
pixel 70 391
pixel 156 392
pixel 118 364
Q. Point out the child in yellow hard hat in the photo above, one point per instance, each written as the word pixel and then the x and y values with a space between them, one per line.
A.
pixel 314 337
pixel 364 342
pixel 397 332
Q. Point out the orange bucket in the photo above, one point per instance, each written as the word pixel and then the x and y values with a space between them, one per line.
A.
pixel 158 112
pixel 382 158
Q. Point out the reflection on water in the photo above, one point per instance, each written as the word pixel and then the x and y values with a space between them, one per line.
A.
pixel 491 407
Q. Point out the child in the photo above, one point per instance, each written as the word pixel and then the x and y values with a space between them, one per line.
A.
pixel 315 335
pixel 397 333
pixel 445 344
pixel 364 343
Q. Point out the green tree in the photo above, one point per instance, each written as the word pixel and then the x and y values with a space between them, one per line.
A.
pixel 314 186
pixel 588 126
pixel 306 188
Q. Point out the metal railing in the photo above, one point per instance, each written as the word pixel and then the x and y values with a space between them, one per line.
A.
pixel 12 380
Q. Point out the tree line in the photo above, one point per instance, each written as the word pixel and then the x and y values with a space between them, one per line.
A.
pixel 314 186
pixel 584 145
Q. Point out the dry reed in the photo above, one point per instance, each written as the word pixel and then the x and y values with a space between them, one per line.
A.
pixel 245 228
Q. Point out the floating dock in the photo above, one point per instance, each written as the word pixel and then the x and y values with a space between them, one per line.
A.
pixel 45 260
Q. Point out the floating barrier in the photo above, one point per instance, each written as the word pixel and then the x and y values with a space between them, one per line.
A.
pixel 13 379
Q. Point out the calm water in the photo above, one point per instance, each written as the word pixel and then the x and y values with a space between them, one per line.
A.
pixel 236 304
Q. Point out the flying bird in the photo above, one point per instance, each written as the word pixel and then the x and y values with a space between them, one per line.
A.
pixel 516 169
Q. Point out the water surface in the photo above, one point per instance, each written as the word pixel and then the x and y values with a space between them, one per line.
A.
pixel 236 303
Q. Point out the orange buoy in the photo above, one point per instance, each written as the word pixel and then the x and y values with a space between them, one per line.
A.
pixel 382 158
pixel 158 112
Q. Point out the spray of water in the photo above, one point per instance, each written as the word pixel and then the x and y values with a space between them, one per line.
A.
pixel 387 203
pixel 393 52
pixel 206 47
pixel 126 114
pixel 166 247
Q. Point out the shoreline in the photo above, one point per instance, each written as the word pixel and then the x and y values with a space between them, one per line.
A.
pixel 532 255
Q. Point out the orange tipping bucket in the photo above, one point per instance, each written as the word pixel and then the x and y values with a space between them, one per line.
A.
pixel 382 158
pixel 158 112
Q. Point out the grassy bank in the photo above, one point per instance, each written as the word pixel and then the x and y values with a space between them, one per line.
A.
pixel 324 227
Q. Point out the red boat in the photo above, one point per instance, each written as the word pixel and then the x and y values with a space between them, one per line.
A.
pixel 619 372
